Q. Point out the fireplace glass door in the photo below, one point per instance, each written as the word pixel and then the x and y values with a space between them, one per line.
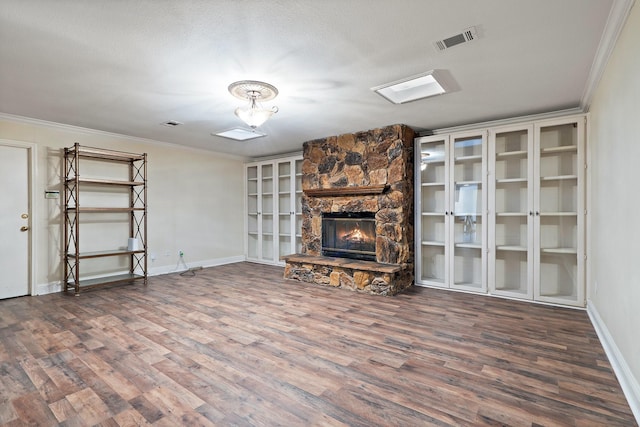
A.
pixel 349 235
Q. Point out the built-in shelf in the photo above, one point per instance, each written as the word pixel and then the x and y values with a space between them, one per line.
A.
pixel 473 158
pixel 511 180
pixel 558 213
pixel 558 177
pixel 561 149
pixel 512 154
pixel 432 243
pixel 511 248
pixel 571 251
pixel 468 245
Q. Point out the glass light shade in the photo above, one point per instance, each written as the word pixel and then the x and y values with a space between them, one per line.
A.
pixel 254 116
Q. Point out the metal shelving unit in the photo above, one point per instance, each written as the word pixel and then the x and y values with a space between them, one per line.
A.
pixel 75 213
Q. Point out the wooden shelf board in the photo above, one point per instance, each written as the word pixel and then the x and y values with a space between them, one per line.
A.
pixel 99 153
pixel 101 254
pixel 101 181
pixel 104 210
pixel 100 281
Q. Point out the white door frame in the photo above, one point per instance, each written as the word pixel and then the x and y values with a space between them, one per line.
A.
pixel 33 173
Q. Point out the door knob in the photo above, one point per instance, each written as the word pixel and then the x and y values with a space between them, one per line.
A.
pixel 24 228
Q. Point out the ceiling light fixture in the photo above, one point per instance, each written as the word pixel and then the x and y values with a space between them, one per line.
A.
pixel 412 88
pixel 254 114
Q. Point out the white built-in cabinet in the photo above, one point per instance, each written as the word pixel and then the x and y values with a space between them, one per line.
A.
pixel 273 221
pixel 452 200
pixel 528 228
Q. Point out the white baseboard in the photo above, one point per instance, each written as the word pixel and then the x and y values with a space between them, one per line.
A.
pixel 49 288
pixel 629 384
pixel 168 269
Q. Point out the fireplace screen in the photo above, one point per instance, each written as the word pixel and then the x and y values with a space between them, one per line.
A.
pixel 349 235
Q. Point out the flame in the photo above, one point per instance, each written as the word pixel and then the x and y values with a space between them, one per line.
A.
pixel 356 236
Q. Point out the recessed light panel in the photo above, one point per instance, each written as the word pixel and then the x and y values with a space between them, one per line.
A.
pixel 240 134
pixel 412 88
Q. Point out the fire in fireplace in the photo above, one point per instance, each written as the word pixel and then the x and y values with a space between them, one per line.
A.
pixel 349 235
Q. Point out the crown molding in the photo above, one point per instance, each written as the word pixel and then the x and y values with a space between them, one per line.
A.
pixel 620 10
pixel 503 122
pixel 89 131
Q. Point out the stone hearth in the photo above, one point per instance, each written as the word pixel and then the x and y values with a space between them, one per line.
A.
pixel 369 171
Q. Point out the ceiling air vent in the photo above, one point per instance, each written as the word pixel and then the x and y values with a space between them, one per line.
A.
pixel 465 36
pixel 172 123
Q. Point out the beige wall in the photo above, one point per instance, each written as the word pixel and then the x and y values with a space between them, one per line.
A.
pixel 614 286
pixel 195 199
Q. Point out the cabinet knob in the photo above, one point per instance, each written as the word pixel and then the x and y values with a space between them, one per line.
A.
pixel 530 213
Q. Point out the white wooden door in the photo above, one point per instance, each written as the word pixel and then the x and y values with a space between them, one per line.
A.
pixel 14 221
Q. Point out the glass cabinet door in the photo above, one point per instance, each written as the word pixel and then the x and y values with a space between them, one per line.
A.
pixel 298 206
pixel 434 172
pixel 559 212
pixel 285 209
pixel 511 247
pixel 253 244
pixel 468 202
pixel 289 172
pixel 265 212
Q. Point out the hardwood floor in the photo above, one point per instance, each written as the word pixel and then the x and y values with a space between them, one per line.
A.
pixel 239 345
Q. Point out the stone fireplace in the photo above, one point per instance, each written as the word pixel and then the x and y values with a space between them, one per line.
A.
pixel 357 212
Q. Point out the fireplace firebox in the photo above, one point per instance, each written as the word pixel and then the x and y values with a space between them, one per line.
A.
pixel 349 235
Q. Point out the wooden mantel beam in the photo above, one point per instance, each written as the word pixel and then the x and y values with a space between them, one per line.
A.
pixel 346 191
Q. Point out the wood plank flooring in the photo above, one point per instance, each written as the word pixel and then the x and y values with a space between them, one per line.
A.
pixel 237 345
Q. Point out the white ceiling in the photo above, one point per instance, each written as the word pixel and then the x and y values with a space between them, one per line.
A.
pixel 129 66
